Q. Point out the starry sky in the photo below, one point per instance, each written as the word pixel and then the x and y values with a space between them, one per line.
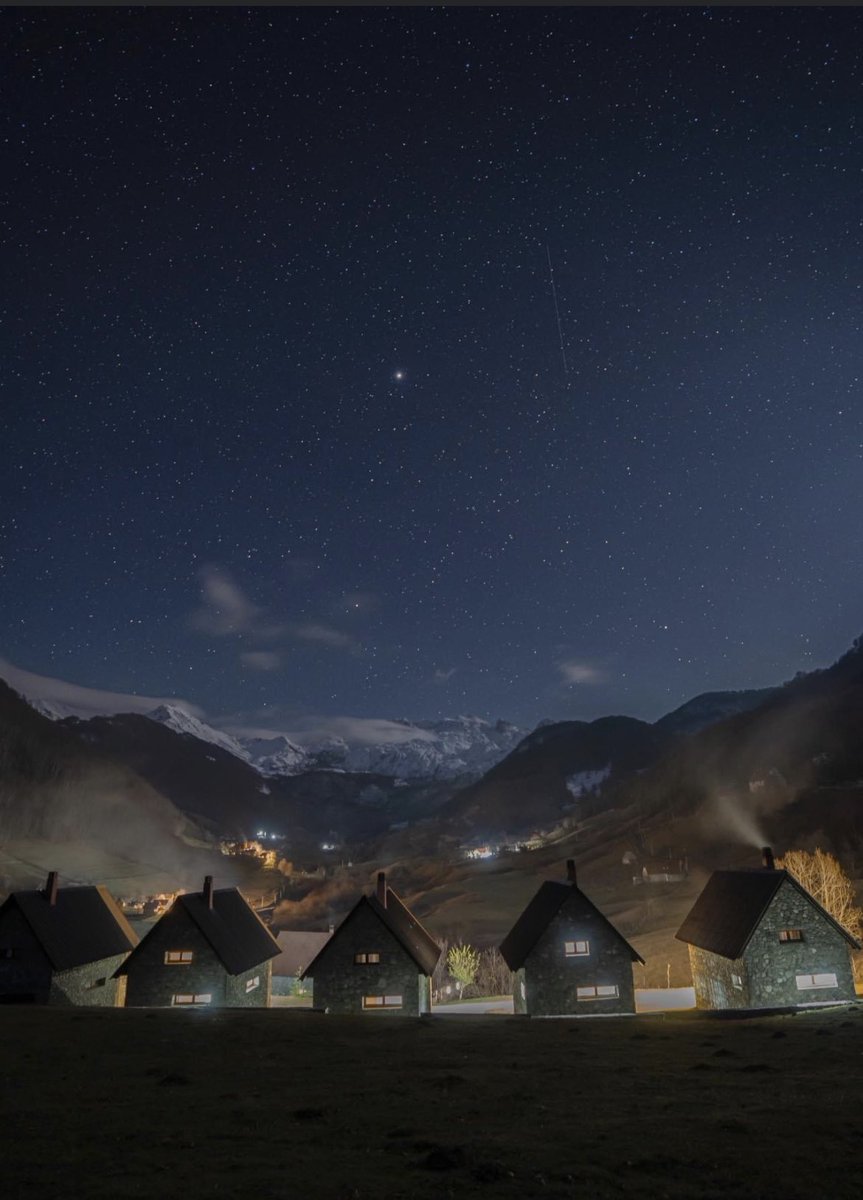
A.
pixel 414 362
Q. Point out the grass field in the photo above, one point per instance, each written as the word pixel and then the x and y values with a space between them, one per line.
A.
pixel 274 1103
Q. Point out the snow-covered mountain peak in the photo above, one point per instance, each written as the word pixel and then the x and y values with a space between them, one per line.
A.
pixel 180 721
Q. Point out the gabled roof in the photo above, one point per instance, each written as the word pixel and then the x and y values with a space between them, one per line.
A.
pixel 297 948
pixel 729 910
pixel 236 933
pixel 84 925
pixel 402 924
pixel 539 914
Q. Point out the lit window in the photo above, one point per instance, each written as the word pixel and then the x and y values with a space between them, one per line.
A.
pixel 189 998
pixel 371 956
pixel 576 949
pixel 178 956
pixel 251 984
pixel 806 983
pixel 791 935
pixel 601 991
pixel 737 982
pixel 382 1001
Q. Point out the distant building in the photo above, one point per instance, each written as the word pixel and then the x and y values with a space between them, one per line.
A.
pixel 758 939
pixel 380 959
pixel 63 946
pixel 208 949
pixel 568 958
pixel 297 948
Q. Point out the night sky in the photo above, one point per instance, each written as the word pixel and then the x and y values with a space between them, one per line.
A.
pixel 289 423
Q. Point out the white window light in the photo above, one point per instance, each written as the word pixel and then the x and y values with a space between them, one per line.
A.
pixel 382 1001
pixel 177 957
pixel 576 949
pixel 826 979
pixel 189 998
pixel 599 991
pixel 251 984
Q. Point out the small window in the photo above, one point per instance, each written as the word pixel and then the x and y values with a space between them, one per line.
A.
pixel 97 983
pixel 368 956
pixel 382 1001
pixel 251 984
pixel 737 982
pixel 175 957
pixel 806 983
pixel 791 935
pixel 190 998
pixel 578 949
pixel 601 991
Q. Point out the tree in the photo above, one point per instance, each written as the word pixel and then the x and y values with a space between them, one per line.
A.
pixel 494 977
pixel 822 876
pixel 463 963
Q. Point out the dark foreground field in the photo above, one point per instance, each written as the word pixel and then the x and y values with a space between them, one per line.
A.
pixel 125 1103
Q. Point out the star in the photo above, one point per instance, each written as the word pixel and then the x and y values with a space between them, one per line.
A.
pixel 398 376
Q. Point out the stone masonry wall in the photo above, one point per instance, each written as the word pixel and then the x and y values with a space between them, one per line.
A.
pixel 774 965
pixel 340 983
pixel 236 994
pixel 152 983
pixel 27 974
pixel 91 985
pixel 715 980
pixel 551 979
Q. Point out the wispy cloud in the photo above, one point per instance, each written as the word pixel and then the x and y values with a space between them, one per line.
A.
pixel 574 672
pixel 441 676
pixel 314 631
pixel 261 660
pixel 75 700
pixel 312 730
pixel 225 608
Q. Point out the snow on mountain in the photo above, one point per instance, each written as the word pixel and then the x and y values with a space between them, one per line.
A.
pixel 182 722
pixel 442 749
pixel 276 755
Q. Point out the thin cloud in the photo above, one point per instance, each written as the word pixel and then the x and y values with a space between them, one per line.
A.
pixel 314 631
pixel 71 699
pixel 312 730
pixel 441 676
pixel 261 660
pixel 226 609
pixel 580 673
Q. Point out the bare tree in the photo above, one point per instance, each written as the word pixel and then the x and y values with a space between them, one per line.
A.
pixel 494 977
pixel 822 876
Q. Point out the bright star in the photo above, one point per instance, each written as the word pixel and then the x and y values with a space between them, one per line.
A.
pixel 398 375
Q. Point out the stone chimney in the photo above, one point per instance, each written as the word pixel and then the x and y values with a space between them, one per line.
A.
pixel 208 890
pixel 381 892
pixel 570 872
pixel 51 887
pixel 767 858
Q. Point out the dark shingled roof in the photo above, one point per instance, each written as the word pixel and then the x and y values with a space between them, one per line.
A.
pixel 238 936
pixel 297 948
pixel 728 911
pixel 404 927
pixel 85 925
pixel 538 915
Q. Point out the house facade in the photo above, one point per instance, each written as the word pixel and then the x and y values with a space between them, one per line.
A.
pixel 63 946
pixel 758 939
pixel 209 949
pixel 379 960
pixel 567 957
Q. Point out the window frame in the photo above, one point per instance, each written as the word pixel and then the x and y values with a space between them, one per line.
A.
pixel 191 999
pixel 814 986
pixel 367 958
pixel 791 937
pixel 378 1003
pixel 253 983
pixel 179 958
pixel 597 991
pixel 575 952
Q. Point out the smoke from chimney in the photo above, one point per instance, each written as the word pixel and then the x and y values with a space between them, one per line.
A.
pixel 382 889
pixel 208 890
pixel 570 871
pixel 51 887
pixel 767 858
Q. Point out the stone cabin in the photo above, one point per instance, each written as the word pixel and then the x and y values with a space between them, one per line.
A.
pixel 209 948
pixel 380 959
pixel 63 946
pixel 567 957
pixel 758 939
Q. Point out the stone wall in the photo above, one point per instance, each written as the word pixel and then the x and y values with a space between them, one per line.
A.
pixel 26 976
pixel 715 980
pixel 91 985
pixel 774 965
pixel 340 983
pixel 151 982
pixel 551 979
